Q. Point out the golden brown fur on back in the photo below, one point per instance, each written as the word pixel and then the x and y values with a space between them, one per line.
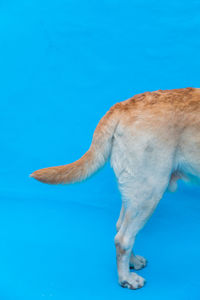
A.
pixel 180 107
pixel 176 96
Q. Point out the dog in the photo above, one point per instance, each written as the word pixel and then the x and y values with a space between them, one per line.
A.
pixel 152 140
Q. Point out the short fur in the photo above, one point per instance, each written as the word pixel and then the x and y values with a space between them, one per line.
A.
pixel 153 139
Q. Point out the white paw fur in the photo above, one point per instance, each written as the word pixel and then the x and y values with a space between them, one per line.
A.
pixel 132 281
pixel 137 262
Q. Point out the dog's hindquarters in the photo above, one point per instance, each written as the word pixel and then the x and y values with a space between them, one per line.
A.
pixel 143 171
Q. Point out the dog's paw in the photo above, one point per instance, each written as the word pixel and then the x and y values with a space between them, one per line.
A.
pixel 137 262
pixel 132 281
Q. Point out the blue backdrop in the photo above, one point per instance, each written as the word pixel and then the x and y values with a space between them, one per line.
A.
pixel 62 65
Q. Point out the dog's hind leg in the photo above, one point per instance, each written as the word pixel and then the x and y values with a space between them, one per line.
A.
pixel 120 219
pixel 137 262
pixel 139 203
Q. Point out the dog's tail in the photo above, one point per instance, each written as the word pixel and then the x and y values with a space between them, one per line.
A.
pixel 91 161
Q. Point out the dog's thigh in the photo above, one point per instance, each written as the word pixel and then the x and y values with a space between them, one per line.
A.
pixel 141 158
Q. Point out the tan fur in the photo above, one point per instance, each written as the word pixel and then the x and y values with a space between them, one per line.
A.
pixel 174 109
pixel 86 165
pixel 64 174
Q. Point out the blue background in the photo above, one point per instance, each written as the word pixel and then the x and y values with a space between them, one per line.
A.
pixel 62 65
